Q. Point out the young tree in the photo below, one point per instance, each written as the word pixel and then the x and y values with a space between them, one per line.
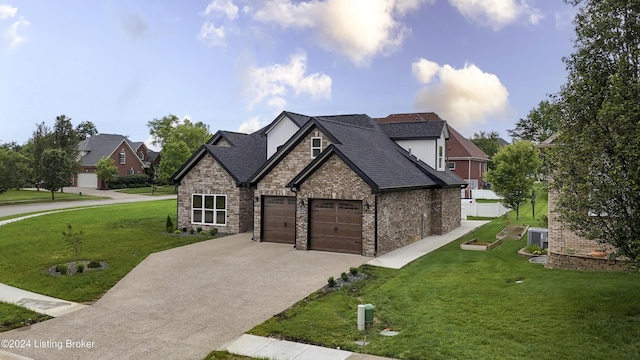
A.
pixel 516 166
pixel 106 170
pixel 57 170
pixel 41 140
pixel 541 122
pixel 74 239
pixel 597 157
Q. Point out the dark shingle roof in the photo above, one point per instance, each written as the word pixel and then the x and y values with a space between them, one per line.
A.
pixel 414 130
pixel 98 146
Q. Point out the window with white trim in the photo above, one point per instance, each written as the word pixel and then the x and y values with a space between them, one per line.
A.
pixel 451 165
pixel 123 157
pixel 316 146
pixel 209 209
pixel 131 171
pixel 440 156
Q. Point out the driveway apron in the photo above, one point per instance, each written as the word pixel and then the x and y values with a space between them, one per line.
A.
pixel 183 303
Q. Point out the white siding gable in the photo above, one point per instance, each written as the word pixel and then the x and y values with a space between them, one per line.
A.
pixel 427 150
pixel 282 131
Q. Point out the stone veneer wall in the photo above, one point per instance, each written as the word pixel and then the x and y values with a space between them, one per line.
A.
pixel 404 217
pixel 568 250
pixel 275 182
pixel 335 180
pixel 208 177
pixel 445 210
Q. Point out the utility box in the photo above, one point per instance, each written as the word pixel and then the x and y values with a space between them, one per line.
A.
pixel 368 314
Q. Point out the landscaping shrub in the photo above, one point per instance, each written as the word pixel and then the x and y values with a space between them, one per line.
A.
pixel 199 230
pixel 213 232
pixel 192 231
pixel 535 249
pixel 62 269
pixel 177 232
pixel 94 264
pixel 331 281
pixel 344 276
pixel 80 268
pixel 202 232
pixel 353 271
pixel 184 229
pixel 130 181
pixel 169 224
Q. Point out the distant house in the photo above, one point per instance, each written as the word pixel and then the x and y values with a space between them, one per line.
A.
pixel 129 157
pixel 336 183
pixel 462 156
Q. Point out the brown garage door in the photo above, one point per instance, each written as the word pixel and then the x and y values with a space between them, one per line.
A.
pixel 279 219
pixel 336 225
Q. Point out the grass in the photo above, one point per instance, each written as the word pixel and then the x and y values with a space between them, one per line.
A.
pixel 121 235
pixel 224 355
pixel 160 190
pixel 12 317
pixel 13 197
pixel 476 305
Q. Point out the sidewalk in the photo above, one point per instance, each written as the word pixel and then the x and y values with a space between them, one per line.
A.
pixel 39 303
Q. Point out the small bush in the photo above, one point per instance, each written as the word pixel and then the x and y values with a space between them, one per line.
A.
pixel 94 264
pixel 192 231
pixel 169 224
pixel 544 220
pixel 80 268
pixel 331 281
pixel 202 232
pixel 199 230
pixel 62 269
pixel 353 271
pixel 177 232
pixel 213 232
pixel 535 250
pixel 184 229
pixel 344 276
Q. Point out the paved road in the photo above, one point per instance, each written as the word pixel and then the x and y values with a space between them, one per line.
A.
pixel 115 198
pixel 183 303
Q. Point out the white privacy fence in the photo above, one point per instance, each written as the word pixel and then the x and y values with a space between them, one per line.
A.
pixel 470 207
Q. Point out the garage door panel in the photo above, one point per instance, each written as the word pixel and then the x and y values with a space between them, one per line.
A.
pixel 279 219
pixel 336 225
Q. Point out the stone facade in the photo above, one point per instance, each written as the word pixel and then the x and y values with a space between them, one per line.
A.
pixel 208 177
pixel 403 218
pixel 335 180
pixel 445 209
pixel 568 250
pixel 274 183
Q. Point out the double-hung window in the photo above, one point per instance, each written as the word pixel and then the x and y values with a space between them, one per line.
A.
pixel 316 146
pixel 209 209
pixel 123 158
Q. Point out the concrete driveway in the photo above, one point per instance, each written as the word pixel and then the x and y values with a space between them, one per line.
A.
pixel 185 302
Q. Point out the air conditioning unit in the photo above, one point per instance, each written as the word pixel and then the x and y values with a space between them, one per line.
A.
pixel 538 236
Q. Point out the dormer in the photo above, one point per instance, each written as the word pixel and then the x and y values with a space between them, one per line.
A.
pixel 426 140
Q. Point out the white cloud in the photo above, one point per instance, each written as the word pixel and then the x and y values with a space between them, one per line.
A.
pixel 425 70
pixel 212 35
pixel 272 83
pixel 222 7
pixel 359 29
pixel 464 96
pixel 7 11
pixel 11 35
pixel 498 13
pixel 250 126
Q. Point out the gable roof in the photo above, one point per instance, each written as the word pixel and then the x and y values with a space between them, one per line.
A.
pixel 367 150
pixel 409 117
pixel 460 147
pixel 298 119
pixel 415 130
pixel 101 145
pixel 244 155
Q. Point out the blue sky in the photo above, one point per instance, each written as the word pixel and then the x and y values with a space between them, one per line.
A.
pixel 236 64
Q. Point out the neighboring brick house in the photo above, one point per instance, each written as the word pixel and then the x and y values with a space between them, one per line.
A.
pixel 331 183
pixel 566 249
pixel 128 157
pixel 462 156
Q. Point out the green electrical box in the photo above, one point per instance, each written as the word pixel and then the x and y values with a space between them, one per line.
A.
pixel 368 314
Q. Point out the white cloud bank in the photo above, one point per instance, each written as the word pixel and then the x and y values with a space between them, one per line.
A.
pixel 464 96
pixel 250 126
pixel 10 34
pixel 274 82
pixel 358 29
pixel 498 13
pixel 209 33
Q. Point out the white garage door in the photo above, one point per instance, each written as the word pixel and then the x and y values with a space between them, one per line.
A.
pixel 87 180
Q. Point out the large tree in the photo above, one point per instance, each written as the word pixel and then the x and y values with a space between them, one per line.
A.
pixel 41 140
pixel 106 170
pixel 516 166
pixel 15 169
pixel 58 168
pixel 597 154
pixel 488 143
pixel 541 122
pixel 174 154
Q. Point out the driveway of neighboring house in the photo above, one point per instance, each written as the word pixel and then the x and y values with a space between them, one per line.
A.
pixel 184 302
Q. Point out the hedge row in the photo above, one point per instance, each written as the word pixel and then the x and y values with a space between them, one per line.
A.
pixel 130 181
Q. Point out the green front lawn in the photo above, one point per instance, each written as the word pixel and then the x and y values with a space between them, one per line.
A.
pixel 456 304
pixel 12 317
pixel 122 235
pixel 20 197
pixel 160 190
